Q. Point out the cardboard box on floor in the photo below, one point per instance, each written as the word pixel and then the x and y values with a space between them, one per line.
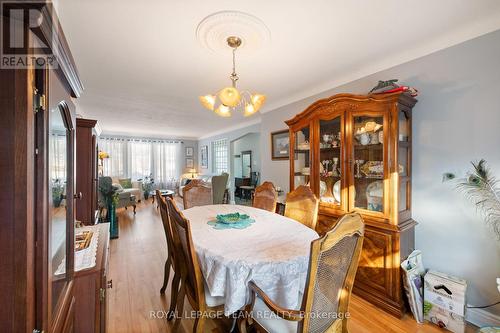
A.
pixel 444 301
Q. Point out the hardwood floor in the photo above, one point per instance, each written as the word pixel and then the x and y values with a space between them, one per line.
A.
pixel 136 267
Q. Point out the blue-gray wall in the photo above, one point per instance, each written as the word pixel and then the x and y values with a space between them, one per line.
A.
pixel 456 120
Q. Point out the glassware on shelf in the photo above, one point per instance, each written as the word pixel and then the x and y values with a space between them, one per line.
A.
pixel 358 165
pixel 335 171
pixel 325 164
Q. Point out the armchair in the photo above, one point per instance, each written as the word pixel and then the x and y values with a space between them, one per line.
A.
pixel 125 198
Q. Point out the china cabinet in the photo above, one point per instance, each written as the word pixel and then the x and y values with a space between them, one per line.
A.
pixel 354 151
pixel 87 160
pixel 38 187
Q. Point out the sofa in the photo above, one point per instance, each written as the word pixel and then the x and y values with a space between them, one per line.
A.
pixel 186 178
pixel 135 190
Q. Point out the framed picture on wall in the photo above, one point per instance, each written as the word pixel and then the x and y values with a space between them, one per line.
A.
pixel 280 145
pixel 189 163
pixel 189 151
pixel 204 157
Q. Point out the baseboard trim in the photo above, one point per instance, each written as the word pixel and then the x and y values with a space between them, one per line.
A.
pixel 482 318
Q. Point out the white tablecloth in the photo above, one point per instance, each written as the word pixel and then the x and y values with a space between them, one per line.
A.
pixel 274 252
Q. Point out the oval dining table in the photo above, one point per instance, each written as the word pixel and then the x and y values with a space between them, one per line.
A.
pixel 273 252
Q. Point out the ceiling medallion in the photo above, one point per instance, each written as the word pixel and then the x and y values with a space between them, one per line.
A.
pixel 229 98
pixel 212 32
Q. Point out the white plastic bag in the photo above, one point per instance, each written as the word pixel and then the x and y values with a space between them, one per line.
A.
pixel 413 272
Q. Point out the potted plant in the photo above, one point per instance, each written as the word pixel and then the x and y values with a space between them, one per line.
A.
pixel 110 197
pixel 147 185
pixel 57 192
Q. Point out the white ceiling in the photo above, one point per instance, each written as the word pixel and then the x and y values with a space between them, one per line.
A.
pixel 143 68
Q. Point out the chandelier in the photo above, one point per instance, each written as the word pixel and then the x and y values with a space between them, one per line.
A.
pixel 228 99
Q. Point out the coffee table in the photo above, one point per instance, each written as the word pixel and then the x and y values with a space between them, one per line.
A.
pixel 164 193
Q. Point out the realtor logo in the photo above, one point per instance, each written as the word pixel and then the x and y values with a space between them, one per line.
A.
pixel 26 38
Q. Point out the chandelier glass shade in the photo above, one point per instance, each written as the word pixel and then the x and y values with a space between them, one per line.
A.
pixel 229 98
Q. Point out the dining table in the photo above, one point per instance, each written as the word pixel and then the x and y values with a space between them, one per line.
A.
pixel 273 251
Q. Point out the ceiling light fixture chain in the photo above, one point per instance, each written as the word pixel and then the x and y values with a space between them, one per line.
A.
pixel 234 76
pixel 229 98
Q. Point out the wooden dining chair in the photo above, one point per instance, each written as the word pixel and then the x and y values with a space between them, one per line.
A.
pixel 332 267
pixel 302 206
pixel 265 197
pixel 197 193
pixel 172 258
pixel 192 280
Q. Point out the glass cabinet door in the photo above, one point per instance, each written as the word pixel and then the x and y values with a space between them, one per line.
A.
pixel 302 158
pixel 367 162
pixel 330 160
pixel 404 160
pixel 60 203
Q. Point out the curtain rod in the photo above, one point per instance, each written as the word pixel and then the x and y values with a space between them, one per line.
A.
pixel 142 140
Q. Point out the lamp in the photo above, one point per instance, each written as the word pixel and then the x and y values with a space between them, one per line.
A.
pixel 229 97
pixel 103 155
pixel 192 171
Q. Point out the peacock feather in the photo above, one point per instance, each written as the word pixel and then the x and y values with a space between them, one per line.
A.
pixel 481 188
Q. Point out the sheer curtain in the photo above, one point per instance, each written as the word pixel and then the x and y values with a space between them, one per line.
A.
pixel 115 165
pixel 58 159
pixel 138 158
pixel 167 162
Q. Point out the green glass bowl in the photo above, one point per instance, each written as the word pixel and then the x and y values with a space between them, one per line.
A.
pixel 232 218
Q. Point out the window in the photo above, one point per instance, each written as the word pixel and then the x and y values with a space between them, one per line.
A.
pixel 115 164
pixel 139 155
pixel 136 159
pixel 220 154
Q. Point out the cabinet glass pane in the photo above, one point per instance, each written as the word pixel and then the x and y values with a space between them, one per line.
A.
pixel 330 161
pixel 302 157
pixel 403 161
pixel 369 163
pixel 404 127
pixel 403 187
pixel 58 167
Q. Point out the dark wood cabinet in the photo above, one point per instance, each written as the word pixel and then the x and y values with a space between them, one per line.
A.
pixel 91 286
pixel 354 151
pixel 37 167
pixel 87 134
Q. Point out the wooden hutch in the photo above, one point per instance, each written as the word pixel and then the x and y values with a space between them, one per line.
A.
pixel 354 151
pixel 87 151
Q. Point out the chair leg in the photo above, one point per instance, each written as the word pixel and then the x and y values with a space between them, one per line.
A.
pixel 134 208
pixel 166 274
pixel 180 308
pixel 199 323
pixel 243 325
pixel 173 295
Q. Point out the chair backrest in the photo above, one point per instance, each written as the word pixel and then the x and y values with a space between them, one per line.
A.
pixel 302 206
pixel 166 225
pixel 265 197
pixel 184 247
pixel 332 268
pixel 196 193
pixel 219 184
